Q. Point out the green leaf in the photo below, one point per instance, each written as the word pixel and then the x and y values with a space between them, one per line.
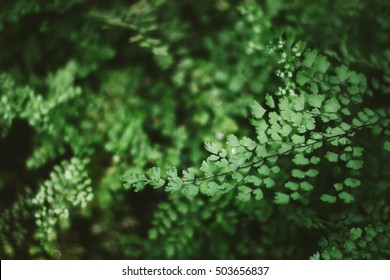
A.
pixel 346 111
pixel 386 146
pixel 244 193
pixel 352 182
pixel 257 110
pixel 299 103
pixel 153 233
pixel 254 180
pixel 336 254
pixel 363 117
pixel 248 143
pixel 349 246
pixel 301 78
pixel 362 243
pixel 211 147
pixel 332 157
pixel 169 249
pixel 321 64
pixel 316 256
pixel 297 139
pixel 292 186
pixel 213 158
pixel 258 194
pixel 191 190
pixel 300 159
pixel 296 173
pixel 332 106
pixel 356 122
pixel 261 151
pixel 295 195
pixel 338 186
pixel 313 88
pixel 312 173
pixel 273 118
pixel 354 91
pixel 284 148
pixel 356 233
pixel 269 182
pixel 369 112
pixel 306 186
pixel 296 119
pixel 284 103
pixel 261 125
pixel 343 99
pixel 380 228
pixel 316 100
pixel 342 73
pixel 233 141
pixel 211 189
pixel 315 160
pixel 370 231
pixel 328 198
pixel 155 178
pixel 348 149
pixel 237 176
pixel 281 198
pixel 172 173
pixel 346 197
pixel 189 174
pixel 310 57
pixel 357 151
pixel 269 101
pixel 276 137
pixel 158 183
pixel 262 137
pixel 235 84
pixel 310 123
pixel 264 170
pixel 223 153
pixel 345 127
pixel 325 118
pixel 222 163
pixel 275 169
pixel 331 131
pixel 286 130
pixel 356 98
pixel 207 168
pixel 155 173
pixel 355 78
pixel 174 185
pixel 355 164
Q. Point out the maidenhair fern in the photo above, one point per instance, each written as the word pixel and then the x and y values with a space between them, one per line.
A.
pixel 314 116
pixel 311 123
pixel 11 103
pixel 241 129
pixel 14 222
pixel 370 242
pixel 68 188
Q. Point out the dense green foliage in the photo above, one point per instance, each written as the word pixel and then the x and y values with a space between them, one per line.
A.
pixel 190 129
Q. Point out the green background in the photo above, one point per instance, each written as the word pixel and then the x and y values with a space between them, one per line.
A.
pixel 92 91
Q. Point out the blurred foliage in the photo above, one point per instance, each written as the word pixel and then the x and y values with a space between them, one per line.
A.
pixel 266 123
